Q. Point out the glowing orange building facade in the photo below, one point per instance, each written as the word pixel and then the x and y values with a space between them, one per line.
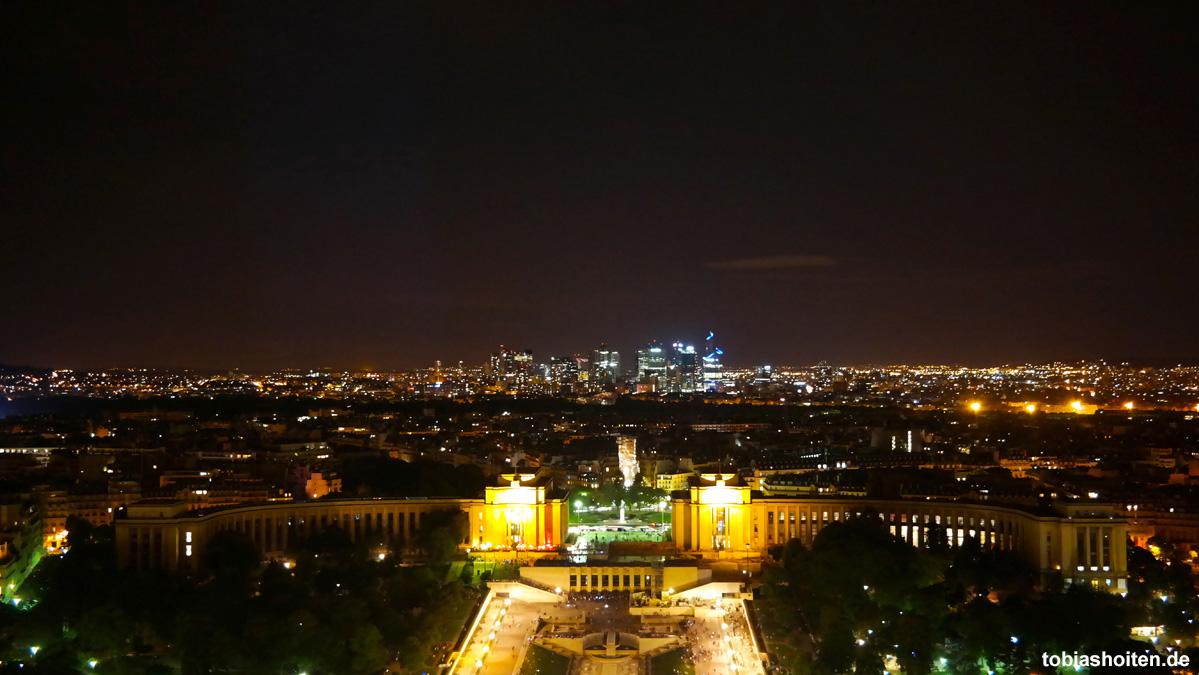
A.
pixel 1084 542
pixel 520 515
pixel 1081 541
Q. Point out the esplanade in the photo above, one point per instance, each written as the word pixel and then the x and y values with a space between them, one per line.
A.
pixel 1084 542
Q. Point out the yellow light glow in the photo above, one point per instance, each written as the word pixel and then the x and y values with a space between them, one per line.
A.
pixel 1077 405
pixel 976 406
pixel 513 495
pixel 1030 408
pixel 721 495
pixel 1128 405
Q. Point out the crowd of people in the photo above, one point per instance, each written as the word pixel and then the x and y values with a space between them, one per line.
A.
pixel 711 644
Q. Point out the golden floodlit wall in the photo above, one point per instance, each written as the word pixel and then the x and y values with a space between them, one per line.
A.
pixel 1085 542
pixel 154 534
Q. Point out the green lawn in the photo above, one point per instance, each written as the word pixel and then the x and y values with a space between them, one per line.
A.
pixel 670 663
pixel 595 539
pixel 644 517
pixel 499 571
pixel 456 621
pixel 541 661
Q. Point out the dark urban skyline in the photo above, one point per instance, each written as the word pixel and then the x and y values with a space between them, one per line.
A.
pixel 382 186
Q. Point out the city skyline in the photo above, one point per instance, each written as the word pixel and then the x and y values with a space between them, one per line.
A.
pixel 544 357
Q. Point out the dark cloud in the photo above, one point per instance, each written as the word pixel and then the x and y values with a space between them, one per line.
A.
pixel 774 262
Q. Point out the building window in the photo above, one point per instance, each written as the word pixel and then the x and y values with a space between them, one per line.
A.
pixel 605 580
pixel 637 581
pixel 626 581
pixel 595 580
pixel 574 580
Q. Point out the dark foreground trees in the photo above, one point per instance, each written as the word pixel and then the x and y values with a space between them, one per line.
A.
pixel 860 600
pixel 337 609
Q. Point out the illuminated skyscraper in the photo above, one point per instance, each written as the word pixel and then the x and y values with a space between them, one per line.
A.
pixel 563 372
pixel 605 366
pixel 511 370
pixel 684 371
pixel 651 366
pixel 713 371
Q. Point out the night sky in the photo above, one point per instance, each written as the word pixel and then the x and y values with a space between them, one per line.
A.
pixel 385 184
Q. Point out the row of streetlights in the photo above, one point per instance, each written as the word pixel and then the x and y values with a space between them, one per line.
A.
pixel 1077 406
pixel 491 634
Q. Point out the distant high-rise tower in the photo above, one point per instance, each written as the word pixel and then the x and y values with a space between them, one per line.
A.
pixel 684 371
pixel 651 366
pixel 713 371
pixel 563 372
pixel 511 370
pixel 605 365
